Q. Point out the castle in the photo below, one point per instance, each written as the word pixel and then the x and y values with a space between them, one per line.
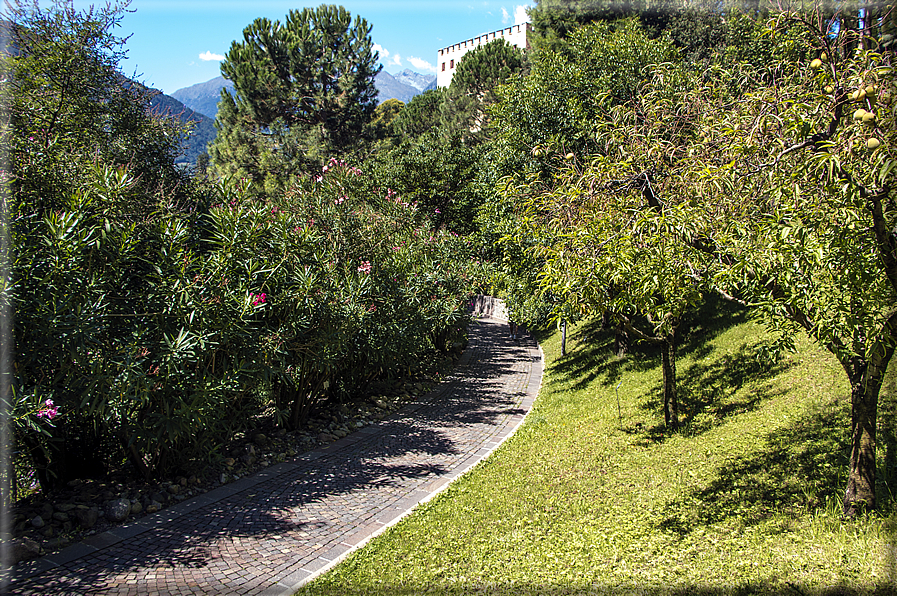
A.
pixel 448 58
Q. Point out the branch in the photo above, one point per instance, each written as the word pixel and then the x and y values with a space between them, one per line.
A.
pixel 816 142
pixel 728 297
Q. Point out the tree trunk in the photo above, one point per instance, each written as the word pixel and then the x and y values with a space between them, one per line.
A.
pixel 866 378
pixel 670 399
pixel 621 341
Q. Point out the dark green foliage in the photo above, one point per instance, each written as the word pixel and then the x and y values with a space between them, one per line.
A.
pixel 696 27
pixel 422 113
pixel 551 112
pixel 473 86
pixel 303 90
pixel 439 172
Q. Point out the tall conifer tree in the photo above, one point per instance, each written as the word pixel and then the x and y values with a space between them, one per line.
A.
pixel 303 89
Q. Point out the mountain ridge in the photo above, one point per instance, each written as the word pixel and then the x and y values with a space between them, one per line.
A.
pixel 203 97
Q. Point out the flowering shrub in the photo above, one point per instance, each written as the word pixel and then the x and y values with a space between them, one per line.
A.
pixel 159 314
pixel 297 299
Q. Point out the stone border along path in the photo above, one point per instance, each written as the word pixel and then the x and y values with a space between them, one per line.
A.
pixel 273 532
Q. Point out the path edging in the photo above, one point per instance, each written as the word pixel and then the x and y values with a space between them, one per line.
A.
pixel 529 399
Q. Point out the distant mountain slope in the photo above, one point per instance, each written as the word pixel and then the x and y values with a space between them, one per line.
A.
pixel 416 80
pixel 203 127
pixel 390 87
pixel 203 97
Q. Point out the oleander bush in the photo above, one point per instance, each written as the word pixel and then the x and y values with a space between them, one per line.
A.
pixel 155 313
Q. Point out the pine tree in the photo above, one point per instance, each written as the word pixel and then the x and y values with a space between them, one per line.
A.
pixel 303 91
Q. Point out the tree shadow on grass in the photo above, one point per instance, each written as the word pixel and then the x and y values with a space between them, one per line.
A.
pixel 594 357
pixel 796 471
pixel 712 389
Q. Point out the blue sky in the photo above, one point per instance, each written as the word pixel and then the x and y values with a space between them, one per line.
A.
pixel 177 43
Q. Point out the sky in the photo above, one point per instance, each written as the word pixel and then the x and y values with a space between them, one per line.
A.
pixel 177 43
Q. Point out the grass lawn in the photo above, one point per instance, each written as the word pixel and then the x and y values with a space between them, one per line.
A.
pixel 588 498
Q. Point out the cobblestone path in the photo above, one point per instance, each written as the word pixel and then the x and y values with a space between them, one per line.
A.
pixel 274 531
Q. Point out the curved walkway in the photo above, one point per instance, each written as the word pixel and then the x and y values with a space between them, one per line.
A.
pixel 273 532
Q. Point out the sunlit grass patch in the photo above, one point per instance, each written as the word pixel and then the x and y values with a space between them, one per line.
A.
pixel 593 495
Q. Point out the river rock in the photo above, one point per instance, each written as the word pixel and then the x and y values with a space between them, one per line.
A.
pixel 260 439
pixel 117 510
pixel 38 522
pixel 136 506
pixel 65 507
pixel 60 516
pixel 24 549
pixel 87 517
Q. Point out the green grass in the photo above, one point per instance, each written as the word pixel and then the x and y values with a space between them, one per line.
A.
pixel 583 499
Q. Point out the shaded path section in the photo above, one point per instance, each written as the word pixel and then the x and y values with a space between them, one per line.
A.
pixel 274 531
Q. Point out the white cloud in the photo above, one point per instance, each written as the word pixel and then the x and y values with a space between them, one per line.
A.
pixel 520 16
pixel 421 64
pixel 210 57
pixel 505 17
pixel 396 60
pixel 384 53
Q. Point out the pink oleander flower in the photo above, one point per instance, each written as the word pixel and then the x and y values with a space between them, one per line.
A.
pixel 49 411
pixel 365 267
pixel 340 200
pixel 438 211
pixel 258 299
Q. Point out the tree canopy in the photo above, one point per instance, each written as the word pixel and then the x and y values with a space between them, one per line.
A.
pixel 303 90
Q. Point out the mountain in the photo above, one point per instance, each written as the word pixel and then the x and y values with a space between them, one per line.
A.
pixel 390 87
pixel 203 127
pixel 416 80
pixel 203 97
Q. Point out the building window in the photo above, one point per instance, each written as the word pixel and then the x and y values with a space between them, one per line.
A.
pixel 452 64
pixel 443 66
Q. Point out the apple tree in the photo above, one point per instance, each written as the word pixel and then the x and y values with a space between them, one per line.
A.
pixel 801 170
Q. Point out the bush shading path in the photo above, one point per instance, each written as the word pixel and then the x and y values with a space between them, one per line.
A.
pixel 274 531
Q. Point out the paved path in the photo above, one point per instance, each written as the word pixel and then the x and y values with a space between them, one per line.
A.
pixel 272 532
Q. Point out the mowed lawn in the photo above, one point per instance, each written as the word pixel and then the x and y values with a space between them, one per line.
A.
pixel 593 495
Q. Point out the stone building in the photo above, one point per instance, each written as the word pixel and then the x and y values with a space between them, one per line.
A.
pixel 447 59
